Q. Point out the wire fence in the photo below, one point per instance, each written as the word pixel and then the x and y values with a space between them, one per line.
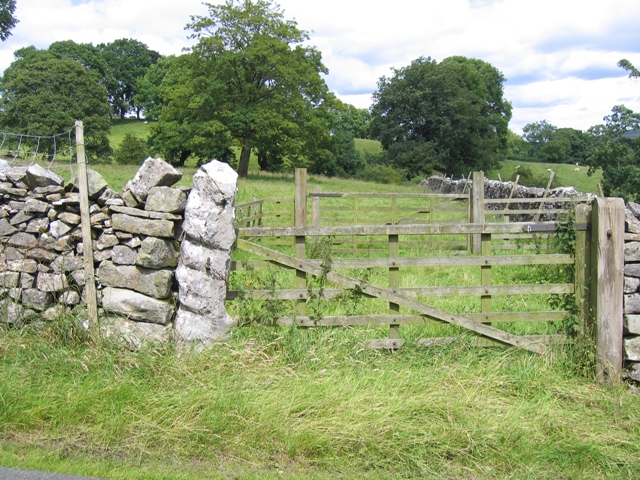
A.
pixel 50 151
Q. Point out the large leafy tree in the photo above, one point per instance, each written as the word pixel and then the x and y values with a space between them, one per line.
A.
pixel 254 76
pixel 617 153
pixel 7 19
pixel 126 60
pixel 44 95
pixel 550 144
pixel 449 116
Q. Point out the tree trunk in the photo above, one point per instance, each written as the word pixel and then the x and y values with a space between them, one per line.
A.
pixel 245 156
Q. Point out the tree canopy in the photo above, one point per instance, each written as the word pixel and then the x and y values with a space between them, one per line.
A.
pixel 7 19
pixel 616 154
pixel 44 95
pixel 449 116
pixel 126 60
pixel 249 82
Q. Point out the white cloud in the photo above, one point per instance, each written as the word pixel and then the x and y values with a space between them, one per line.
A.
pixel 560 55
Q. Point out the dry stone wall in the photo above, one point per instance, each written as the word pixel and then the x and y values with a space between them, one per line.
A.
pixel 140 237
pixel 494 189
pixel 631 341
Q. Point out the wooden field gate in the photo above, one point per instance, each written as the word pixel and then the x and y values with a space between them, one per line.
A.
pixel 438 260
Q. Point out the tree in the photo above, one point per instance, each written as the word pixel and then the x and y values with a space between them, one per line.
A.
pixel 132 150
pixel 256 76
pixel 7 20
pixel 44 95
pixel 449 116
pixel 616 154
pixel 127 60
pixel 550 144
pixel 628 66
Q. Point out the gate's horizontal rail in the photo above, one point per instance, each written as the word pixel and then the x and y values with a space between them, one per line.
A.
pixel 414 292
pixel 436 229
pixel 388 195
pixel 361 320
pixel 452 261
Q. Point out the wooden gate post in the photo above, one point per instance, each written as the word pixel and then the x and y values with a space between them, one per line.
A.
pixel 607 274
pixel 300 220
pixel 476 204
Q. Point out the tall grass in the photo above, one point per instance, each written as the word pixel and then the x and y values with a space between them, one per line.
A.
pixel 309 404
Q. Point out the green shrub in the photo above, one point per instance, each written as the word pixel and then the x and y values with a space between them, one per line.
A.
pixel 381 174
pixel 132 151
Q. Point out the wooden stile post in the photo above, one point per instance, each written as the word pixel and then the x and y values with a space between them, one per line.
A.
pixel 85 223
pixel 476 201
pixel 300 220
pixel 607 282
pixel 582 277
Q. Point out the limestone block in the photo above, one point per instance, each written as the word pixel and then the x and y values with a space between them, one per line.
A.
pixel 136 212
pixel 41 255
pixel 67 263
pixel 28 266
pixel 16 175
pixel 49 190
pixel 51 282
pixel 6 228
pixel 632 324
pixel 36 299
pixel 38 225
pixel 166 199
pixel 123 255
pixel 22 240
pixel 201 292
pixel 96 184
pixel 129 200
pixel 70 297
pixel 136 306
pixel 36 206
pixel 154 172
pixel 101 256
pixel 77 277
pixel 154 283
pixel 12 312
pixel 109 196
pixel 9 279
pixel 157 253
pixel 632 224
pixel 631 284
pixel 204 329
pixel 27 280
pixel 632 349
pixel 69 218
pixel 632 303
pixel 634 208
pixel 633 372
pixel 106 241
pixel 210 212
pixel 21 217
pixel 152 228
pixel 134 334
pixel 58 229
pixel 37 176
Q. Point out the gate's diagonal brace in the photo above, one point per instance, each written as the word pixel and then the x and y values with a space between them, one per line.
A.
pixel 386 294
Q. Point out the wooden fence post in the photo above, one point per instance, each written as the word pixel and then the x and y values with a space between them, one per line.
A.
pixel 607 275
pixel 300 220
pixel 582 277
pixel 85 223
pixel 476 202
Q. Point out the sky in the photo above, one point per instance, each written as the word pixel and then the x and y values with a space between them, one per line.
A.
pixel 559 57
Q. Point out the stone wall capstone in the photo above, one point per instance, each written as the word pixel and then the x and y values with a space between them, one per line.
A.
pixel 139 237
